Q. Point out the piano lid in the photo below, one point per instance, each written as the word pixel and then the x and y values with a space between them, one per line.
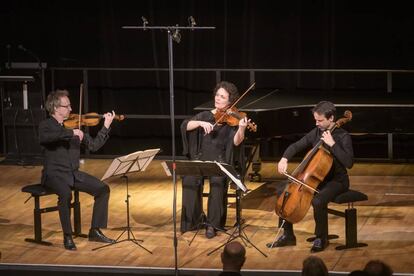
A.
pixel 258 101
pixel 16 78
pixel 279 113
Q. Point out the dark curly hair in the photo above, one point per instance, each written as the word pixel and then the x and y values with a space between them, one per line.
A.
pixel 230 88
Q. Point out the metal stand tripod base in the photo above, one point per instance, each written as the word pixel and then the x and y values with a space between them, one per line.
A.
pixel 203 224
pixel 127 229
pixel 133 239
pixel 238 232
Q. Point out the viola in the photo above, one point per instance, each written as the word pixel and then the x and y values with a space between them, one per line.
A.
pixel 232 116
pixel 293 204
pixel 88 119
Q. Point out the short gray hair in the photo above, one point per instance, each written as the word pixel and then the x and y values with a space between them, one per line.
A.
pixel 53 100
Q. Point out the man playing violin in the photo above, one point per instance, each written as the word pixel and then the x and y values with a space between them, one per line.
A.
pixel 336 181
pixel 61 173
pixel 205 140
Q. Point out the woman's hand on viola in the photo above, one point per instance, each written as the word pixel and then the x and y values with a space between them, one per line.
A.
pixel 208 127
pixel 109 117
pixel 244 122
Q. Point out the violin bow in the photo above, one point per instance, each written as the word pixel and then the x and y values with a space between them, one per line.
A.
pixel 297 181
pixel 244 94
pixel 80 104
pixel 235 102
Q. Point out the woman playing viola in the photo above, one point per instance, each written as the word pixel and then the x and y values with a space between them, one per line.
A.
pixel 204 140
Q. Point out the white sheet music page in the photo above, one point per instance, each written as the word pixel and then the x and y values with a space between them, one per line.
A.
pixel 136 161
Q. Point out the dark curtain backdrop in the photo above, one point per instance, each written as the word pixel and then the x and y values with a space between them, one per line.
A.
pixel 260 34
pixel 249 34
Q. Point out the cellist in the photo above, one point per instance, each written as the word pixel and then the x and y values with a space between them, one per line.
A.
pixel 336 181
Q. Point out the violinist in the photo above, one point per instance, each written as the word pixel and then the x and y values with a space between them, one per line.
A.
pixel 336 181
pixel 61 173
pixel 205 140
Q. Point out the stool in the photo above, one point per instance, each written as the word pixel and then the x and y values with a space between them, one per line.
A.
pixel 350 215
pixel 38 190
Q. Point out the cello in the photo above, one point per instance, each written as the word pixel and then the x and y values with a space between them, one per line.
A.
pixel 294 202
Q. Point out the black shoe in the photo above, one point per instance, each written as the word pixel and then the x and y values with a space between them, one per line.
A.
pixel 68 242
pixel 284 240
pixel 210 232
pixel 96 235
pixel 319 245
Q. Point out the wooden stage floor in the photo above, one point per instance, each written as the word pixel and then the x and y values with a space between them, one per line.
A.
pixel 385 222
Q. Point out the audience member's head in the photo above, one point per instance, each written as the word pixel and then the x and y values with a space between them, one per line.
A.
pixel 314 266
pixel 233 256
pixel 358 273
pixel 378 268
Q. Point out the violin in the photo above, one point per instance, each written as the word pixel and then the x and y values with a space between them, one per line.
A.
pixel 88 119
pixel 293 204
pixel 232 116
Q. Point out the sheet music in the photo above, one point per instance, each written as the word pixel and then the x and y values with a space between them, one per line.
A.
pixel 144 159
pixel 122 164
pixel 203 168
pixel 232 177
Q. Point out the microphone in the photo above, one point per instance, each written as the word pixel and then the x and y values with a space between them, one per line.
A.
pixel 191 21
pixel 8 46
pixel 144 22
pixel 33 55
pixel 22 48
pixel 176 35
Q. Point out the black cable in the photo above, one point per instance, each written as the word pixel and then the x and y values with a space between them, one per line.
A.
pixel 16 143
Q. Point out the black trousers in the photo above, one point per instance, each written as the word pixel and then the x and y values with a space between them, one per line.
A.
pixel 192 202
pixel 84 183
pixel 327 192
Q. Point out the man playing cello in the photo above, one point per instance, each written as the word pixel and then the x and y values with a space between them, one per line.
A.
pixel 336 181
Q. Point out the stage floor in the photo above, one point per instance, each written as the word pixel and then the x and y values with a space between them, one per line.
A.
pixel 385 223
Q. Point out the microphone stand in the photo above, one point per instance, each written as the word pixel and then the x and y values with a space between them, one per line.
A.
pixel 173 33
pixel 41 72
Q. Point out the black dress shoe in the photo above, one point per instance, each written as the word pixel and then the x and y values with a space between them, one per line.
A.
pixel 319 245
pixel 284 240
pixel 68 242
pixel 210 232
pixel 96 235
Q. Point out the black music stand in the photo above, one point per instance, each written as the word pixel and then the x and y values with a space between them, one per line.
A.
pixel 134 162
pixel 238 231
pixel 211 168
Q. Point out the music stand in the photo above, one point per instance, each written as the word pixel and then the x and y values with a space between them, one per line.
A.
pixel 203 168
pixel 238 231
pixel 135 162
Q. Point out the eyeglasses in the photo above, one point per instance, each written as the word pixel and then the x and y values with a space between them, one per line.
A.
pixel 66 106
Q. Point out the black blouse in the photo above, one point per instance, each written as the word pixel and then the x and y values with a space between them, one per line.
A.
pixel 216 146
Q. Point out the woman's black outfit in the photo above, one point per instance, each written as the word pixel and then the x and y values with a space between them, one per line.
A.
pixel 218 146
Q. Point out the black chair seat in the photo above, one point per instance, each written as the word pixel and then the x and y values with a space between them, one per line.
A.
pixel 350 196
pixel 37 190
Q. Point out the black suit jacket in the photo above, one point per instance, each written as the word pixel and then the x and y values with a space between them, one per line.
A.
pixel 62 150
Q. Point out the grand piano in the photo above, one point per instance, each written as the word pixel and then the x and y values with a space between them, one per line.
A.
pixel 285 116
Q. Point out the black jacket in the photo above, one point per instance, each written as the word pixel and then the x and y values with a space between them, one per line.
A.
pixel 342 151
pixel 62 149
